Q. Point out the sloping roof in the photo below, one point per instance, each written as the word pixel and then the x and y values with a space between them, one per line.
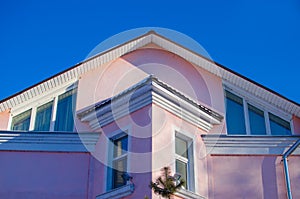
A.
pixel 73 73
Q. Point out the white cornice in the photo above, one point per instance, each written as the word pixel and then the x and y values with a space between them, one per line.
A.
pixel 227 75
pixel 248 145
pixel 54 141
pixel 149 91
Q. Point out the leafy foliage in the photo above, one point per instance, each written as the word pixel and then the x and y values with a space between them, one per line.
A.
pixel 166 185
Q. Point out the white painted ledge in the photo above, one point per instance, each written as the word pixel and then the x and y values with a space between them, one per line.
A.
pixel 188 194
pixel 249 145
pixel 123 191
pixel 48 141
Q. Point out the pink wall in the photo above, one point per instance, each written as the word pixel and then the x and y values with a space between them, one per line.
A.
pixel 139 126
pixel 116 76
pixel 296 124
pixel 4 118
pixel 164 127
pixel 251 177
pixel 43 175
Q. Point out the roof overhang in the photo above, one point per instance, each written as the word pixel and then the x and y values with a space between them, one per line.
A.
pixel 228 76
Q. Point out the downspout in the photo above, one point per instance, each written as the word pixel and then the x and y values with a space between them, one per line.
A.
pixel 286 167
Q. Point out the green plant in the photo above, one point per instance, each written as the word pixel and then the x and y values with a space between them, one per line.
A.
pixel 166 185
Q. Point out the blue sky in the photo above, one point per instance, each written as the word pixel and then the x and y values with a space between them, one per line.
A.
pixel 258 39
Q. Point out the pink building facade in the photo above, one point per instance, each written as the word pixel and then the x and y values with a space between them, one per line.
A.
pixel 105 127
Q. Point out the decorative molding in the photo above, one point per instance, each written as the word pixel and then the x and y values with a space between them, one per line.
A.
pixel 249 145
pixel 45 141
pixel 226 74
pixel 146 92
pixel 188 194
pixel 123 191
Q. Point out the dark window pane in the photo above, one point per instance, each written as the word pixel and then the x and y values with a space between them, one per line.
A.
pixel 257 121
pixel 65 110
pixel 181 168
pixel 181 147
pixel 119 168
pixel 235 118
pixel 21 122
pixel 43 117
pixel 279 126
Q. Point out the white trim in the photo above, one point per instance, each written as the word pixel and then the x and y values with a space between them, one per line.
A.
pixel 148 91
pixel 120 192
pixel 32 118
pixel 110 146
pixel 58 142
pixel 188 194
pixel 249 145
pixel 190 161
pixel 53 116
pixel 152 37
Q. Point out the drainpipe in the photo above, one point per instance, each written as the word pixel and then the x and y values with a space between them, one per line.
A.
pixel 286 167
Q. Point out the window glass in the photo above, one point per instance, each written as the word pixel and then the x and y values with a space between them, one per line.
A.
pixel 120 146
pixel 65 110
pixel 181 147
pixel 235 119
pixel 184 162
pixel 119 161
pixel 21 122
pixel 43 117
pixel 257 121
pixel 181 168
pixel 120 167
pixel 279 126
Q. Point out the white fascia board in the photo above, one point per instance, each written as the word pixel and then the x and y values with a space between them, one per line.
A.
pixel 45 141
pixel 249 145
pixel 112 54
pixel 228 76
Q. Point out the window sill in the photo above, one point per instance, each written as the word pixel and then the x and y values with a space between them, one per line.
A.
pixel 188 194
pixel 123 191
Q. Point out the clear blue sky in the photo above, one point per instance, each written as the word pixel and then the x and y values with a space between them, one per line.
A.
pixel 258 39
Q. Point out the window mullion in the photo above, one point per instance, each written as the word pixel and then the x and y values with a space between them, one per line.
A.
pixel 267 122
pixel 32 119
pixel 54 110
pixel 246 114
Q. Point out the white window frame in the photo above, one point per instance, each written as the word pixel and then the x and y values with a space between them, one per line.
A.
pixel 41 100
pixel 191 172
pixel 108 186
pixel 259 104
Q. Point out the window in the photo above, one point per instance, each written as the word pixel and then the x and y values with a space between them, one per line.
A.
pixel 279 126
pixel 184 160
pixel 21 122
pixel 43 117
pixel 257 121
pixel 234 113
pixel 243 118
pixel 119 162
pixel 56 115
pixel 65 108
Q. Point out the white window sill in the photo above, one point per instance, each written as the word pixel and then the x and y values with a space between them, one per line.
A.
pixel 188 194
pixel 120 192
